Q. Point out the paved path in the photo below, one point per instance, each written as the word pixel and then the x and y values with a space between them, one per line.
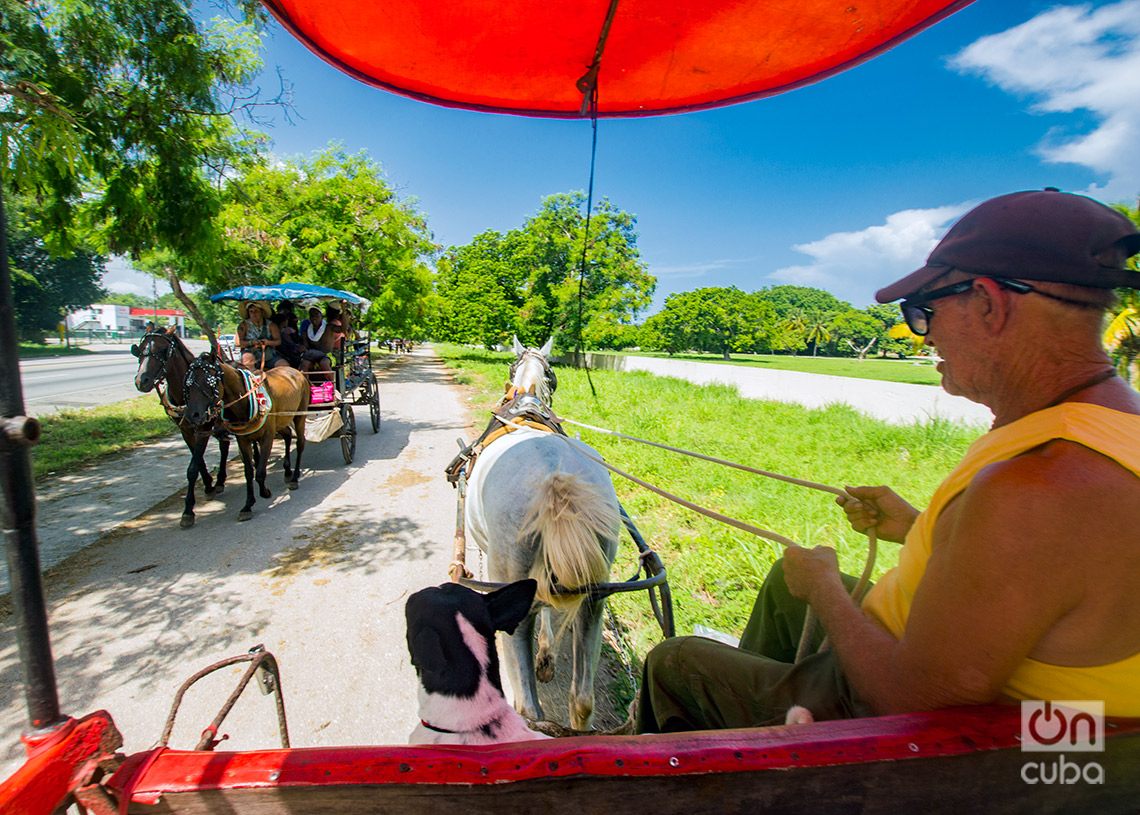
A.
pixel 889 401
pixel 319 576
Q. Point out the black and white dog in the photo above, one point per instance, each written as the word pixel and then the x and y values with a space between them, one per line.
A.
pixel 451 638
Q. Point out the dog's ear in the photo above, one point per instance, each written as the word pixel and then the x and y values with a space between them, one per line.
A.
pixel 509 605
pixel 427 652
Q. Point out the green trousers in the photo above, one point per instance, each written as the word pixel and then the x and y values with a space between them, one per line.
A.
pixel 694 683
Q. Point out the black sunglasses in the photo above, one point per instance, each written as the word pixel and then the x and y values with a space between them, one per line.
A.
pixel 917 314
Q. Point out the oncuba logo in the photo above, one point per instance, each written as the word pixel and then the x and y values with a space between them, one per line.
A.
pixel 1062 726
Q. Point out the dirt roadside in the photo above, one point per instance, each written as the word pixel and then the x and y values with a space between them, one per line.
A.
pixel 319 576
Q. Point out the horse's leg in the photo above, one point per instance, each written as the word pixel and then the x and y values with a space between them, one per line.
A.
pixel 197 464
pixel 544 660
pixel 224 456
pixel 587 648
pixel 299 431
pixel 287 435
pixel 246 447
pixel 266 446
pixel 518 649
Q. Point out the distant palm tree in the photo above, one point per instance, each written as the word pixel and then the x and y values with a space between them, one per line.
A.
pixel 817 328
pixel 794 326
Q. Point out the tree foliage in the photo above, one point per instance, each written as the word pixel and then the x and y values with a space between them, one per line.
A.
pixel 527 282
pixel 46 288
pixel 714 320
pixel 122 108
pixel 331 220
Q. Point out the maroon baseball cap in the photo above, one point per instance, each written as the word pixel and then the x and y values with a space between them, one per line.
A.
pixel 1033 235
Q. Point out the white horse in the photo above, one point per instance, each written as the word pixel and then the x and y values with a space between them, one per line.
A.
pixel 539 507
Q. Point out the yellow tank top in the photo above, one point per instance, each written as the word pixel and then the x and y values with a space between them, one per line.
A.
pixel 1109 432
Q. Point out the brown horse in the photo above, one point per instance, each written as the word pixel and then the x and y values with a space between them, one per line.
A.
pixel 164 358
pixel 255 407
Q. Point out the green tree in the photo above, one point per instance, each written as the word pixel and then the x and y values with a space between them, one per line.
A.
pixel 46 288
pixel 527 282
pixel 716 320
pixel 615 285
pixel 480 289
pixel 854 332
pixel 122 111
pixel 789 300
pixel 331 220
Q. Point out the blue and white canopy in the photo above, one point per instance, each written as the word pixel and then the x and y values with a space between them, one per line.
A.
pixel 304 292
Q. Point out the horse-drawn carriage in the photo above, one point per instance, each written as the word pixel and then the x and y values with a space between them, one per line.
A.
pixel 330 411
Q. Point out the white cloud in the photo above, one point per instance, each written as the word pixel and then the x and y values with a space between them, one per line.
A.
pixel 122 278
pixel 698 269
pixel 1075 58
pixel 854 265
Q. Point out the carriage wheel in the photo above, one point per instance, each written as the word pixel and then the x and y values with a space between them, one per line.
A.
pixel 373 402
pixel 348 432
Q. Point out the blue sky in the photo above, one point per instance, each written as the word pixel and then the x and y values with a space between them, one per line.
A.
pixel 844 185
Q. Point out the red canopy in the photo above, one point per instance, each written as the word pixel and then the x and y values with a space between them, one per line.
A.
pixel 659 56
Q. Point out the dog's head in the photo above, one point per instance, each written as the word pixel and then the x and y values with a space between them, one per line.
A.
pixel 451 633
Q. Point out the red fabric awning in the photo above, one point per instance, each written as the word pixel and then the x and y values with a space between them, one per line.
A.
pixel 660 56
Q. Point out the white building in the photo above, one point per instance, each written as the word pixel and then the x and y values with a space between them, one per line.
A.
pixel 108 317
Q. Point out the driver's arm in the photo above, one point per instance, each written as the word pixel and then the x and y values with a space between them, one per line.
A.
pixel 999 578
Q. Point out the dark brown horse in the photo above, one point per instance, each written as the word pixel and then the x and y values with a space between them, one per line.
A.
pixel 255 407
pixel 164 358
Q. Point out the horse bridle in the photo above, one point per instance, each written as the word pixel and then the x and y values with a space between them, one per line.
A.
pixel 163 356
pixel 547 371
pixel 213 377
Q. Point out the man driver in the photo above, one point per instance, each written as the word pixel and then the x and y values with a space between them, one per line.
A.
pixel 1018 580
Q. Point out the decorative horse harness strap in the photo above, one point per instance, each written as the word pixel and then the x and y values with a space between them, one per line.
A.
pixel 518 409
pixel 260 404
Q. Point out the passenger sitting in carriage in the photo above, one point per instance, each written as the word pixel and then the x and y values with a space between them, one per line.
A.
pixel 286 321
pixel 318 339
pixel 258 337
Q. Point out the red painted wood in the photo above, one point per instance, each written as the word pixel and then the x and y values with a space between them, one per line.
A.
pixel 53 765
pixel 889 738
pixel 661 56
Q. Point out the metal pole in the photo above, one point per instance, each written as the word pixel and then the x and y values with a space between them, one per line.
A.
pixel 18 515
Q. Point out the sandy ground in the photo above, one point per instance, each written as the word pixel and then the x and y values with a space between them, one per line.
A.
pixel 319 576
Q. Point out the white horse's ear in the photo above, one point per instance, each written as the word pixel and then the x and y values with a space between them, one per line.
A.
pixel 516 346
pixel 548 347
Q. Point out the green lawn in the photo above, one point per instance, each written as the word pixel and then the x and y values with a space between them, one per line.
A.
pixel 715 570
pixel 911 371
pixel 35 349
pixel 73 438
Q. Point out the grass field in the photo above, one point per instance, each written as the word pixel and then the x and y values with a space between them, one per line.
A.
pixel 35 349
pixel 910 371
pixel 715 570
pixel 72 438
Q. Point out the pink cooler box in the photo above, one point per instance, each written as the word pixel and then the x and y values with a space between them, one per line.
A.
pixel 322 392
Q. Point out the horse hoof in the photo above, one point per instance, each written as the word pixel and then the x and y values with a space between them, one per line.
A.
pixel 265 493
pixel 210 493
pixel 544 669
pixel 219 489
pixel 244 515
pixel 293 485
pixel 187 521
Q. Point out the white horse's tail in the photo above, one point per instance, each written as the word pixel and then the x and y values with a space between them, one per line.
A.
pixel 569 515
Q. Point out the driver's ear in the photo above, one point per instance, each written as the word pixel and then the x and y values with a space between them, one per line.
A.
pixel 992 302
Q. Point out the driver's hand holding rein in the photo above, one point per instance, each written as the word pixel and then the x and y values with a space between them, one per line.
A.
pixel 1018 579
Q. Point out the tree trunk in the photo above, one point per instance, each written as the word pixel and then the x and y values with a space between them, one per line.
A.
pixel 192 307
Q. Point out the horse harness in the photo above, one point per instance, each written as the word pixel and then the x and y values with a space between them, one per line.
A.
pixel 517 409
pixel 173 411
pixel 260 403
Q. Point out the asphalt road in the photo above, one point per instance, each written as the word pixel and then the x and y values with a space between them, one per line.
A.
pixel 104 377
